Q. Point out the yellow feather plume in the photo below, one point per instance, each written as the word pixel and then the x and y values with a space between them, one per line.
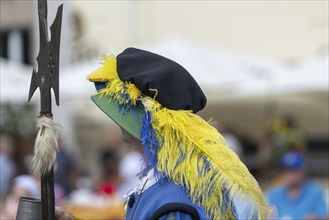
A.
pixel 207 160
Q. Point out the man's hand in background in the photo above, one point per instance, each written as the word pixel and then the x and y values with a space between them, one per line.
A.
pixel 62 214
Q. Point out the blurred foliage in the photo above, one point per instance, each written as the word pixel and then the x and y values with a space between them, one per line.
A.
pixel 17 119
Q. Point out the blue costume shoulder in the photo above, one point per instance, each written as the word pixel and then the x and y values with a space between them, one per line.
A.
pixel 164 200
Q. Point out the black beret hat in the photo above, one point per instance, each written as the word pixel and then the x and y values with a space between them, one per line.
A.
pixel 176 88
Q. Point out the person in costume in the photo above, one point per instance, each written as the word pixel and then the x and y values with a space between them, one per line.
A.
pixel 189 171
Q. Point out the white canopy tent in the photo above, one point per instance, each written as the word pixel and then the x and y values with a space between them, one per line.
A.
pixel 241 75
pixel 217 71
pixel 16 77
pixel 229 80
pixel 14 81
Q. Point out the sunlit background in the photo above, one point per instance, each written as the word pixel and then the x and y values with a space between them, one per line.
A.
pixel 263 66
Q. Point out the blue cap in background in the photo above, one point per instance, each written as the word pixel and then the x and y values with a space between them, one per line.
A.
pixel 293 160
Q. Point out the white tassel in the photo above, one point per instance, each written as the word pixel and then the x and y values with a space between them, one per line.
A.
pixel 46 146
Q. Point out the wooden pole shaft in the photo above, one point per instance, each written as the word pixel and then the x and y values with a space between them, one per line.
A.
pixel 48 196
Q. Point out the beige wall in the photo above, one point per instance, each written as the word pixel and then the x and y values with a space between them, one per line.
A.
pixel 274 29
pixel 10 14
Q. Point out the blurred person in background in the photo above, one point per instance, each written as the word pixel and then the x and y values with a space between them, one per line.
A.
pixel 64 169
pixel 7 165
pixel 298 197
pixel 25 185
pixel 110 180
pixel 22 186
pixel 130 166
pixel 109 162
pixel 297 140
pixel 83 193
pixel 284 136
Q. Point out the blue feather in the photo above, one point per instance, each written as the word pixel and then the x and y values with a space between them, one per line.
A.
pixel 151 145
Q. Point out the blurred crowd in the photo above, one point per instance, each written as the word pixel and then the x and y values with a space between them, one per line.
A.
pixel 278 161
pixel 120 165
